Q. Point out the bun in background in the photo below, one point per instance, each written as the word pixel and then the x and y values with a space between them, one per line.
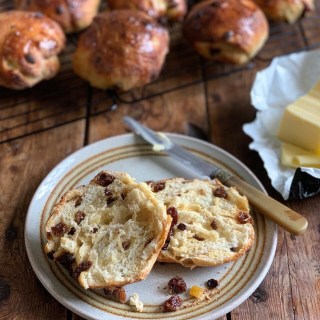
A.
pixel 285 10
pixel 173 10
pixel 72 15
pixel 226 30
pixel 122 49
pixel 29 48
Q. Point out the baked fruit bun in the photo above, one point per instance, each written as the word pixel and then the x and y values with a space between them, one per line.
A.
pixel 122 49
pixel 29 48
pixel 226 30
pixel 211 223
pixel 285 10
pixel 72 15
pixel 173 10
pixel 109 232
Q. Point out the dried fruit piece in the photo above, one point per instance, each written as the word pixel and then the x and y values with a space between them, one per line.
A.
pixel 196 291
pixel 220 192
pixel 59 229
pixel 177 285
pixel 78 201
pixel 244 217
pixel 79 216
pixel 172 304
pixel 198 238
pixel 212 283
pixel 182 226
pixel 125 245
pixel 83 266
pixel 214 225
pixel 158 186
pixel 104 179
pixel 116 294
pixel 172 211
pixel 72 231
pixel 66 260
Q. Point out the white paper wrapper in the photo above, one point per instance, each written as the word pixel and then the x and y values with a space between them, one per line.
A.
pixel 286 79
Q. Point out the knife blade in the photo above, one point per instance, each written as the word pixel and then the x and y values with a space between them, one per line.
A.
pixel 285 217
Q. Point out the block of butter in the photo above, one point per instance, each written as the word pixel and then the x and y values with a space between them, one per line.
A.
pixel 300 124
pixel 295 157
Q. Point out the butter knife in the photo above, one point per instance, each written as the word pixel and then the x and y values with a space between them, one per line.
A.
pixel 288 219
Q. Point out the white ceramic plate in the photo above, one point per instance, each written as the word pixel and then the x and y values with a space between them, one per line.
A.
pixel 128 153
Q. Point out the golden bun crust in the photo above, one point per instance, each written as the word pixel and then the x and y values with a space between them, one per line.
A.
pixel 122 49
pixel 285 10
pixel 226 30
pixel 29 45
pixel 72 15
pixel 173 10
pixel 107 233
pixel 213 225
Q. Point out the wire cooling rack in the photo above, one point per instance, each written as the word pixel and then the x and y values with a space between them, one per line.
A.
pixel 67 98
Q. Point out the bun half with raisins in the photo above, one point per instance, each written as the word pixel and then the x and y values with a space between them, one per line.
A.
pixel 211 223
pixel 109 232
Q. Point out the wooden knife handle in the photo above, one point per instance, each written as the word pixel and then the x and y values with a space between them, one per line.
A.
pixel 288 219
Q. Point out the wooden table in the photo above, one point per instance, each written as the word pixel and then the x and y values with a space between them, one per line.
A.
pixel 41 126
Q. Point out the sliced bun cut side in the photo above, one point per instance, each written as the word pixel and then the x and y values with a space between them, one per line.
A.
pixel 213 223
pixel 110 231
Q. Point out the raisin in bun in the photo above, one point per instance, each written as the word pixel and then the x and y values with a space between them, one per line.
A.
pixel 72 15
pixel 109 232
pixel 226 30
pixel 211 223
pixel 122 49
pixel 285 10
pixel 173 10
pixel 29 48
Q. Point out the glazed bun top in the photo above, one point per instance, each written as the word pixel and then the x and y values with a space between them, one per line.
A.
pixel 226 30
pixel 28 55
pixel 122 49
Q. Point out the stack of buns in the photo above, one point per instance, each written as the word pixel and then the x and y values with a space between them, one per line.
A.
pixel 125 46
pixel 111 231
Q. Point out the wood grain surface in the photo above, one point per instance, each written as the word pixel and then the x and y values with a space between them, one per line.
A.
pixel 39 127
